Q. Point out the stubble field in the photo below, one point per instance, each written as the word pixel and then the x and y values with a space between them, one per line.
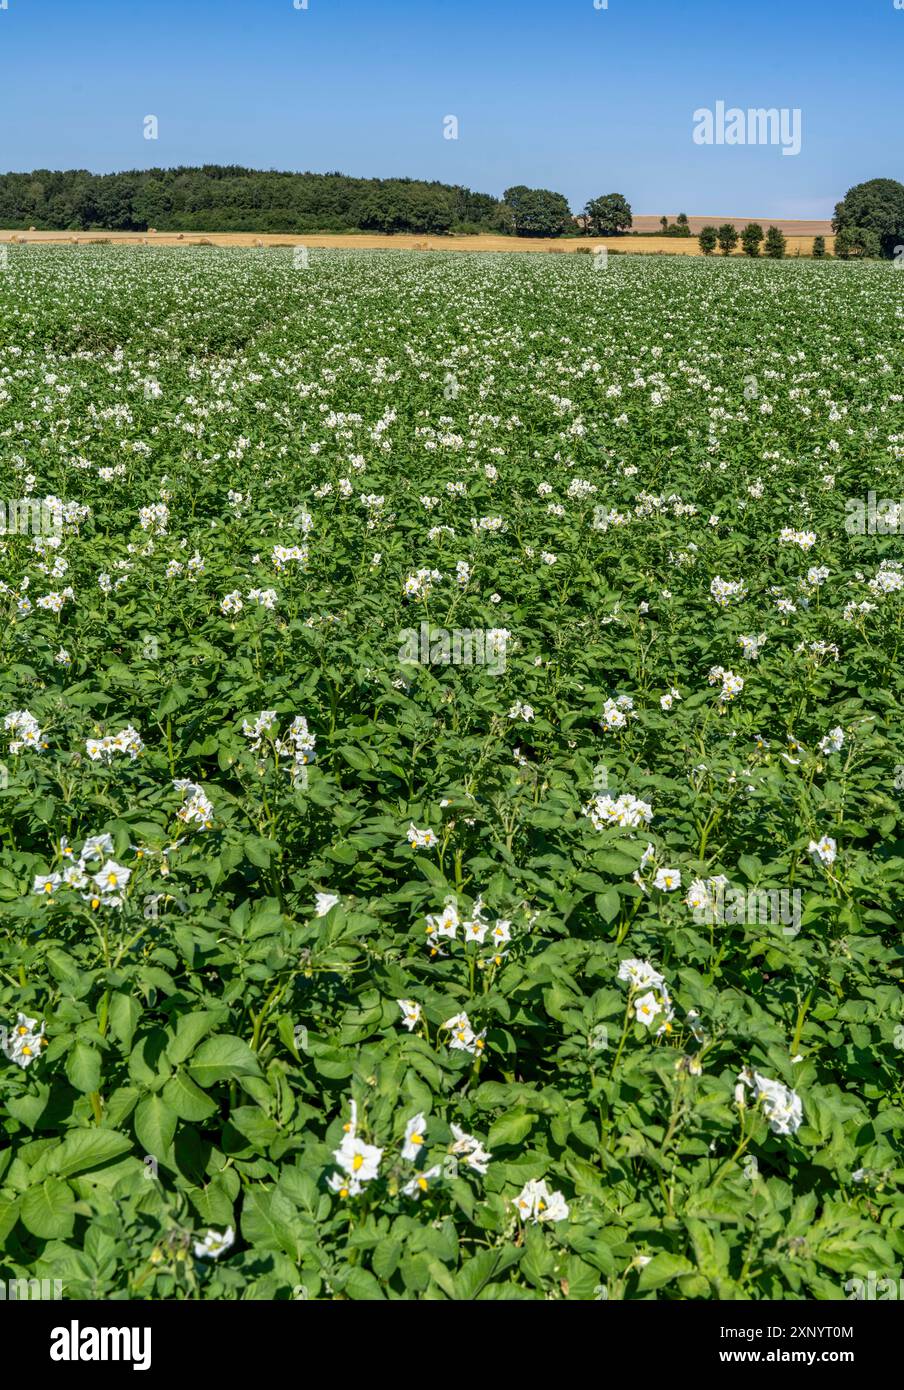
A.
pixel 800 238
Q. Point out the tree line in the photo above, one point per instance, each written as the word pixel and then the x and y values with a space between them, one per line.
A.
pixel 752 239
pixel 869 221
pixel 229 198
pixel 224 198
pixel 868 224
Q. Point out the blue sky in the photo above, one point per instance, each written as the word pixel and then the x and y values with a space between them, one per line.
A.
pixel 552 93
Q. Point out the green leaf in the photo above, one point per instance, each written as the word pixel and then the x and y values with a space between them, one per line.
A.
pixel 83 1067
pixel 29 1108
pixel 386 1256
pixel 190 1029
pixel 213 1204
pixel 268 1219
pixel 363 1287
pixel 125 1011
pixel 222 1059
pixel 478 1272
pixel 259 850
pixel 86 1149
pixel 661 1269
pixel 510 1129
pixel 611 862
pixel 9 1215
pixel 354 757
pixel 155 1125
pixel 608 904
pixel 46 1210
pixel 187 1100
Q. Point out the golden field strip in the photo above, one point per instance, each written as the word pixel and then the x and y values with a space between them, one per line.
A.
pixel 799 244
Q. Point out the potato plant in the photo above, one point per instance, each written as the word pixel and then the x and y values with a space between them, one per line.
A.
pixel 451 775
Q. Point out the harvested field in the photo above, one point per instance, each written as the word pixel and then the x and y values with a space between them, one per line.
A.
pixel 798 245
pixel 792 228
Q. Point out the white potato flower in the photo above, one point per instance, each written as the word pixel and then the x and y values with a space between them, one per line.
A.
pixel 413 1142
pixel 833 742
pixel 824 851
pixel 214 1244
pixel 411 1013
pixel 640 974
pixel 536 1203
pixel 23 1041
pixel 782 1107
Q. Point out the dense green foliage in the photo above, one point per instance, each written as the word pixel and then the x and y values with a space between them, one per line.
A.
pixel 857 243
pixel 639 469
pixel 681 227
pixel 536 212
pixel 219 198
pixel 727 237
pixel 608 215
pixel 752 239
pixel 877 207
pixel 777 244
